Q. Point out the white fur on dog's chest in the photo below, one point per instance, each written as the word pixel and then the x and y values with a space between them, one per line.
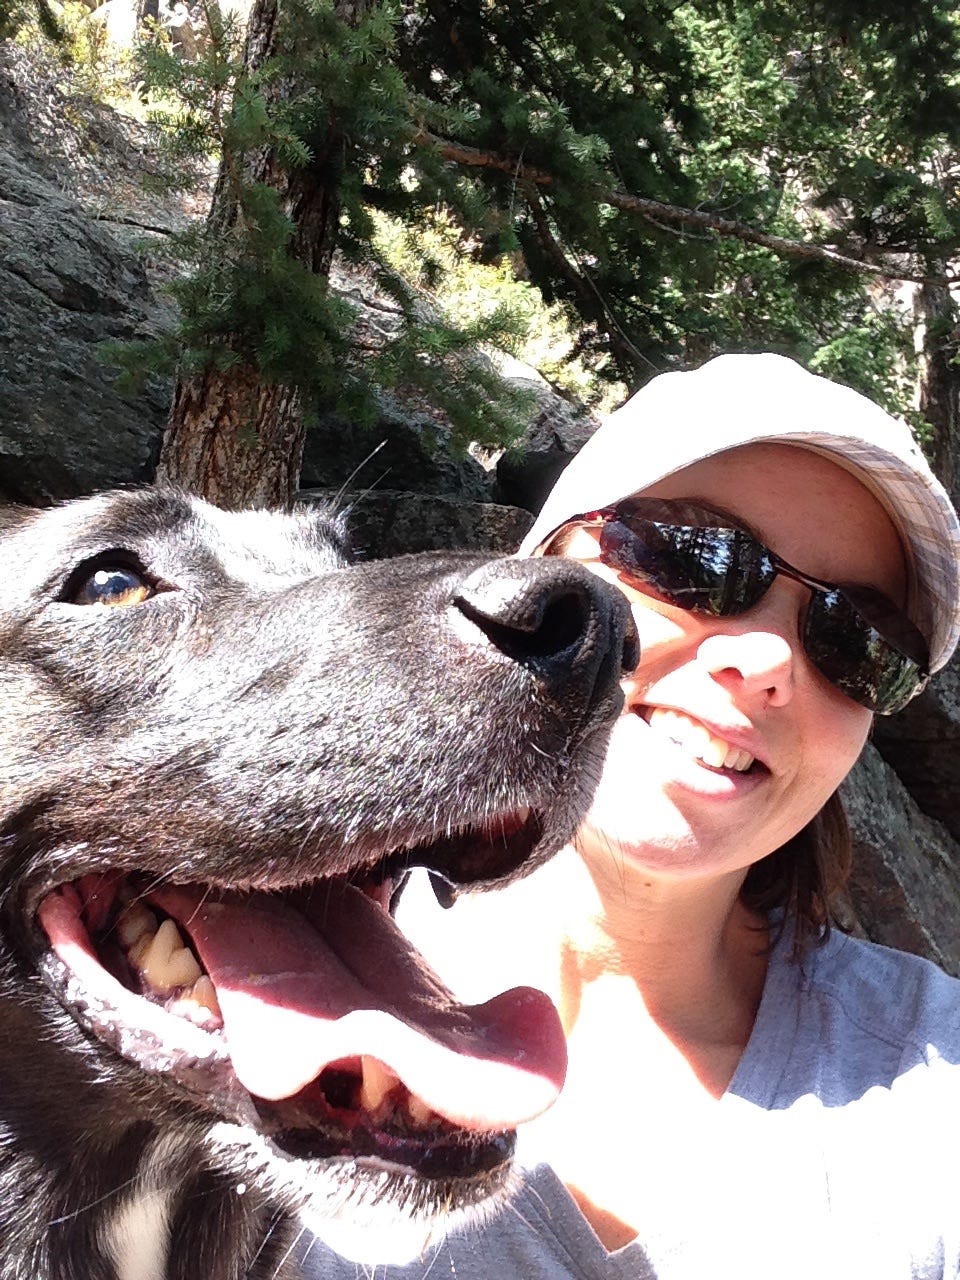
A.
pixel 138 1237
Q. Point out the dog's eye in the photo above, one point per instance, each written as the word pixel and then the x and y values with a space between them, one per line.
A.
pixel 115 585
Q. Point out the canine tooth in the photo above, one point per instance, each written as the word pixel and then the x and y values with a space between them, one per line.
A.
pixel 167 963
pixel 714 752
pixel 205 994
pixel 200 1004
pixel 378 1080
pixel 418 1111
pixel 134 922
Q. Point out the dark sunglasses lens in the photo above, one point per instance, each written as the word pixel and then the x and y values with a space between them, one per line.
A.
pixel 846 648
pixel 719 571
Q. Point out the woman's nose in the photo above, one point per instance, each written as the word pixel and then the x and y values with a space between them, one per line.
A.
pixel 753 663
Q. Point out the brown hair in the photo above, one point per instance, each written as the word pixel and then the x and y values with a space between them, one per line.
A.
pixel 803 876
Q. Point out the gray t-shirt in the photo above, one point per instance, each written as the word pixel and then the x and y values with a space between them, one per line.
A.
pixel 834 1153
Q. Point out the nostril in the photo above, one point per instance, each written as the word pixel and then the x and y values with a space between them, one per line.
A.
pixel 564 623
pixel 570 629
pixel 545 628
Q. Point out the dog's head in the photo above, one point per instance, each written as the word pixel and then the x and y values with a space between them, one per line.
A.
pixel 220 753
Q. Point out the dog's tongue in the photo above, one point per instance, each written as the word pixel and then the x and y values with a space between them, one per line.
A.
pixel 304 986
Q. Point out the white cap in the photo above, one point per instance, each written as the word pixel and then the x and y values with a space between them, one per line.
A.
pixel 679 418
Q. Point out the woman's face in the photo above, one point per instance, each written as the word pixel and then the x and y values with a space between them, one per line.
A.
pixel 730 740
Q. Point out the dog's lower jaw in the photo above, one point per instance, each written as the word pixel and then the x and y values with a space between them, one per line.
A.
pixel 368 1211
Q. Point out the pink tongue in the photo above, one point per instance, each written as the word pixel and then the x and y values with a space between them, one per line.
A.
pixel 302 988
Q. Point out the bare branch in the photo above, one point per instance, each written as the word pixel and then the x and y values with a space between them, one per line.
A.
pixel 594 304
pixel 656 212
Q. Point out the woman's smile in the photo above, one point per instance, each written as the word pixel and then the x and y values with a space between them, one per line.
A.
pixel 713 748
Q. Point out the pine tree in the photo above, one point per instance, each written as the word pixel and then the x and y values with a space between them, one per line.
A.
pixel 681 178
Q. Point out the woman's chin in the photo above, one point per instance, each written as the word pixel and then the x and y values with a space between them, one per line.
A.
pixel 641 830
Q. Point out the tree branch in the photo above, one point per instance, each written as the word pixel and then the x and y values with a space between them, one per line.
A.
pixel 657 211
pixel 593 303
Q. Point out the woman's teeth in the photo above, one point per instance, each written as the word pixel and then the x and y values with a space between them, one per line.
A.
pixel 696 739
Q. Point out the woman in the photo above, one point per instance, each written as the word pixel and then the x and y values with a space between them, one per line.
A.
pixel 749 1093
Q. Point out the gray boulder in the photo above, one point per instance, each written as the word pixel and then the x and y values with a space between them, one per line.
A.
pixel 922 743
pixel 558 429
pixel 905 887
pixel 384 524
pixel 67 287
pixel 403 451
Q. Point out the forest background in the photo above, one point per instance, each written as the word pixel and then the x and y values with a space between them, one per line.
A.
pixel 607 190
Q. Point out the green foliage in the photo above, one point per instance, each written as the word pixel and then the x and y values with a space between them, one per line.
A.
pixel 861 357
pixel 446 269
pixel 18 16
pixel 250 292
pixel 71 42
pixel 829 124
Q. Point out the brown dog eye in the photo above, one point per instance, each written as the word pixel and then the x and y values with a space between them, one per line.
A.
pixel 116 586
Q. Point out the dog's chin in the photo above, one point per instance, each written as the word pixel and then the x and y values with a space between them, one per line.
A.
pixel 366 1210
pixel 327 1055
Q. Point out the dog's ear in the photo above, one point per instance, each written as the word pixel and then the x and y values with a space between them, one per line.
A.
pixel 329 533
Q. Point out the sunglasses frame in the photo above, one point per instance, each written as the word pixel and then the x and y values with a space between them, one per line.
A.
pixel 677 514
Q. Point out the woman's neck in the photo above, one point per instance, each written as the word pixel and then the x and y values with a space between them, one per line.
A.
pixel 658 987
pixel 657 983
pixel 686 955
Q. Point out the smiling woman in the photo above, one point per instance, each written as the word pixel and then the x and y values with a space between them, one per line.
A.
pixel 751 1094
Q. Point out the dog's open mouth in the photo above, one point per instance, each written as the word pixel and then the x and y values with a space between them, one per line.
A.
pixel 306 1013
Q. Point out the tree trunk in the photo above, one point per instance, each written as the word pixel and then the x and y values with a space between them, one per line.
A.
pixel 234 440
pixel 940 380
pixel 231 437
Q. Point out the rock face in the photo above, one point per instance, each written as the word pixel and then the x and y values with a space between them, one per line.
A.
pixel 402 451
pixel 905 886
pixel 391 524
pixel 71 281
pixel 557 430
pixel 922 744
pixel 67 287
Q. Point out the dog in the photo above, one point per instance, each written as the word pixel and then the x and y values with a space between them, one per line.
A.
pixel 223 746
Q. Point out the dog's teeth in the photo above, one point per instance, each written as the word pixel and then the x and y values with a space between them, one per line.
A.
pixel 200 1005
pixel 378 1080
pixel 205 994
pixel 167 963
pixel 133 923
pixel 140 948
pixel 419 1113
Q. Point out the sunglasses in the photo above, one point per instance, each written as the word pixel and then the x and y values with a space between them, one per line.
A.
pixel 692 558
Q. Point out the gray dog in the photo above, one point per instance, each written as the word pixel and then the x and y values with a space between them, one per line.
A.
pixel 221 751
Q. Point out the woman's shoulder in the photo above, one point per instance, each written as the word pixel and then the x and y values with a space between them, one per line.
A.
pixel 848 1017
pixel 903 998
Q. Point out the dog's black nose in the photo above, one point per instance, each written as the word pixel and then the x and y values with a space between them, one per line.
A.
pixel 555 615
